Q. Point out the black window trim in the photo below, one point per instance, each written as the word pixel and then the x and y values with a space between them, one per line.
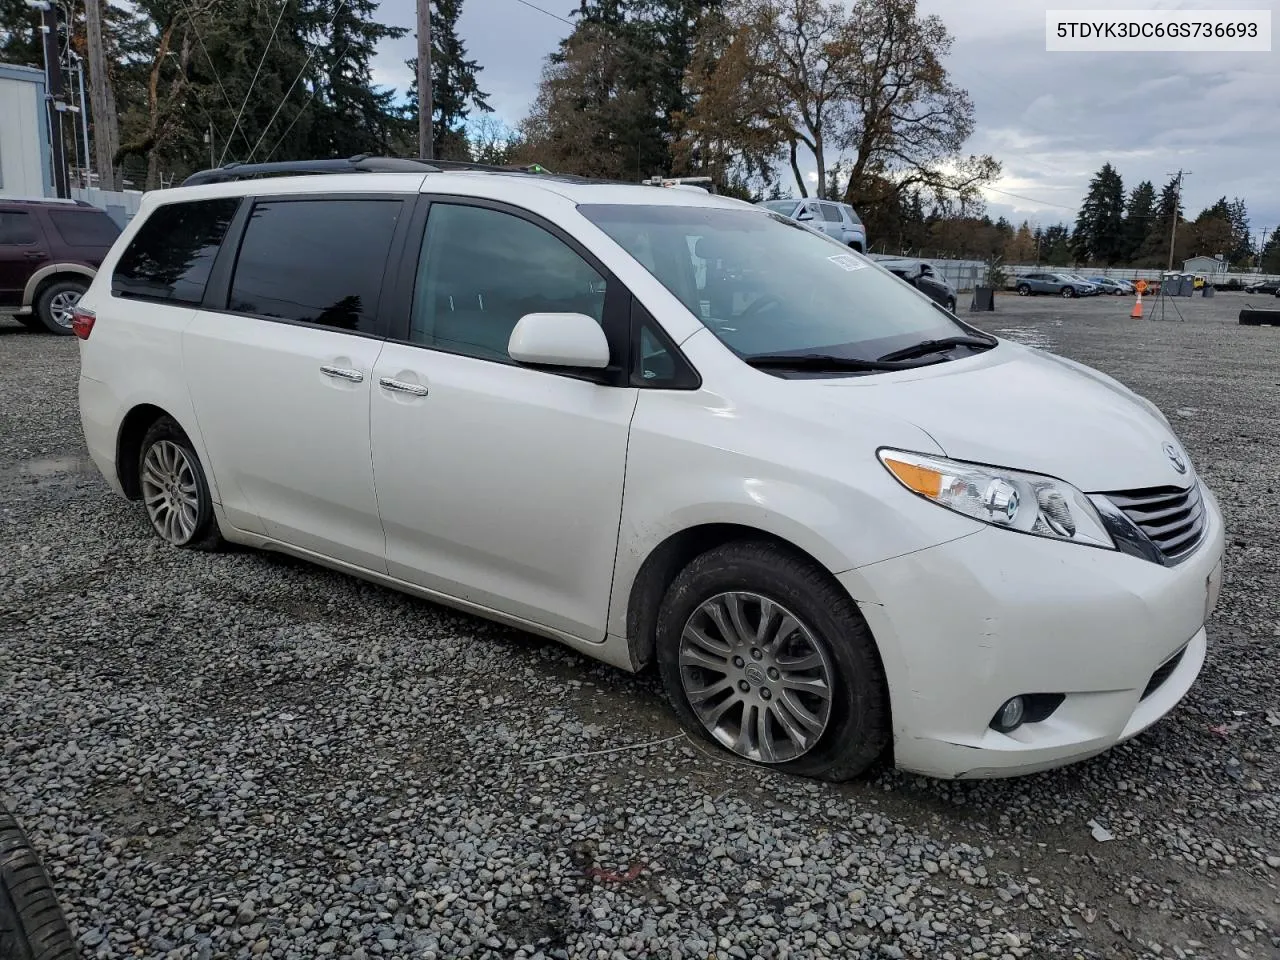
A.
pixel 37 228
pixel 217 291
pixel 687 376
pixel 615 318
pixel 116 294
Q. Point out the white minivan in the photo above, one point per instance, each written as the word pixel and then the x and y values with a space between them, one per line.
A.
pixel 665 429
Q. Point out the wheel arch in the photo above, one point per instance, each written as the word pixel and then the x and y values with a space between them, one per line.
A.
pixel 133 428
pixel 53 273
pixel 665 561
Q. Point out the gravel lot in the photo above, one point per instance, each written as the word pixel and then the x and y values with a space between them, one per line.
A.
pixel 238 755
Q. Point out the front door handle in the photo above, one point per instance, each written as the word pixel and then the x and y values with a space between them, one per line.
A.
pixel 36 255
pixel 342 373
pixel 401 386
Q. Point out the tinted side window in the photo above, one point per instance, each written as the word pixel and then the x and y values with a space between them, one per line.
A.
pixel 84 229
pixel 315 261
pixel 170 256
pixel 831 213
pixel 481 270
pixel 16 228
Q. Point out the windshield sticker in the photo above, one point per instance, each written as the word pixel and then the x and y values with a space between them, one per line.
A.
pixel 847 261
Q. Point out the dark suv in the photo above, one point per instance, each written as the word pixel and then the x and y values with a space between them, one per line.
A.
pixel 49 252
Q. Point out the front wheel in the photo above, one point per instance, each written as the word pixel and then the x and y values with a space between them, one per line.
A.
pixel 762 652
pixel 1069 292
pixel 32 925
pixel 1024 290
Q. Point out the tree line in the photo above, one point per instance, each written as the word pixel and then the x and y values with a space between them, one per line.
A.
pixel 751 92
pixel 1136 229
pixel 201 82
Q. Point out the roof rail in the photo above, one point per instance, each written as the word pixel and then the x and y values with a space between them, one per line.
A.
pixel 361 163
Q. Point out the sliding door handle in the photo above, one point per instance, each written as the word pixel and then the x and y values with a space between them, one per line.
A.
pixel 401 386
pixel 342 373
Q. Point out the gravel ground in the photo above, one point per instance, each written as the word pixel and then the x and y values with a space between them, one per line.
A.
pixel 242 756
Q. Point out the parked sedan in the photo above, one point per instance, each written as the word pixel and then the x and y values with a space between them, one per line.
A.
pixel 923 276
pixel 1264 286
pixel 1114 287
pixel 1091 289
pixel 1062 284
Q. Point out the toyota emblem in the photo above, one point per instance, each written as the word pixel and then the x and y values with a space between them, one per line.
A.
pixel 1175 457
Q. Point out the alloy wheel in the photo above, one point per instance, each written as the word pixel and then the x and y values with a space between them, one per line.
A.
pixel 758 679
pixel 170 492
pixel 61 306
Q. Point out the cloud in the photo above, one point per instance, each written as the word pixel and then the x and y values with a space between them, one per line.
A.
pixel 1052 119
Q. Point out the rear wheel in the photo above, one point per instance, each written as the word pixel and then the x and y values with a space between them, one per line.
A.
pixel 32 925
pixel 762 653
pixel 55 303
pixel 174 489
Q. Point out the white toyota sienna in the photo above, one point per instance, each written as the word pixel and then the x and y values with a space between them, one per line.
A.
pixel 665 428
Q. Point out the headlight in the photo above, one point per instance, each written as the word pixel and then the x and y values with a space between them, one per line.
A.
pixel 1027 502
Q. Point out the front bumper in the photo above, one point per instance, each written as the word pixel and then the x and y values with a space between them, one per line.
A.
pixel 966 625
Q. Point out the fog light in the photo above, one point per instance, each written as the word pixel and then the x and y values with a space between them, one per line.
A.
pixel 1010 716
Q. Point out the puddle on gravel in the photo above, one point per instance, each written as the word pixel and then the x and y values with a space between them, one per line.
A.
pixel 52 466
pixel 1027 336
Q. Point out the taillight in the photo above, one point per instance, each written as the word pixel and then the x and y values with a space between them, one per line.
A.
pixel 82 322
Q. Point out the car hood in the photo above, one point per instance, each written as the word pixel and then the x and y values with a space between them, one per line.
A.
pixel 1025 409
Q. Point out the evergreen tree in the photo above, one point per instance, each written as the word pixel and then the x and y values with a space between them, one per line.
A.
pixel 1137 219
pixel 1056 243
pixel 1211 233
pixel 1270 259
pixel 1241 242
pixel 349 114
pixel 20 39
pixel 1099 235
pixel 455 91
pixel 1154 251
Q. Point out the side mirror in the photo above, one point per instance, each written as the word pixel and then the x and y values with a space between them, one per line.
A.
pixel 559 340
pixel 804 215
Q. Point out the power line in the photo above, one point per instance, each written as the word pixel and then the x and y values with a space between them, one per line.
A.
pixel 213 69
pixel 252 83
pixel 553 16
pixel 283 100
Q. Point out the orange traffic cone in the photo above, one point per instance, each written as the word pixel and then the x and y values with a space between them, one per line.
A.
pixel 1136 312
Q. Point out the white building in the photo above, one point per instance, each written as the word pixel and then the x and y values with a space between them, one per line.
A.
pixel 26 166
pixel 1205 265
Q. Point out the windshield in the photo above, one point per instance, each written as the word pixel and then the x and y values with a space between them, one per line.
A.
pixel 783 207
pixel 765 285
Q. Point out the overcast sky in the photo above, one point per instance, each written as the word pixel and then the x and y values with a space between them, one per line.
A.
pixel 1051 119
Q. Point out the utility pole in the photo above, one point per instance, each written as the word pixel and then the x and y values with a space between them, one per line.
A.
pixel 53 93
pixel 84 116
pixel 106 125
pixel 426 142
pixel 1177 202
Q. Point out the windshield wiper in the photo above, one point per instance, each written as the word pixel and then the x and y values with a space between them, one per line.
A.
pixel 820 361
pixel 926 347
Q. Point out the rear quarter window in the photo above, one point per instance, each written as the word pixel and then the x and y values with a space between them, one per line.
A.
pixel 87 228
pixel 171 255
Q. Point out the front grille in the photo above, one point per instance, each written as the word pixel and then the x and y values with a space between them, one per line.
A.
pixel 1172 518
pixel 1162 673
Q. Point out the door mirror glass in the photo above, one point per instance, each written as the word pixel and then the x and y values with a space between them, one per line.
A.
pixel 559 340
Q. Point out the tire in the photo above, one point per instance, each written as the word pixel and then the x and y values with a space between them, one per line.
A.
pixel 1023 290
pixel 854 727
pixel 1069 293
pixel 854 245
pixel 32 924
pixel 55 301
pixel 175 492
pixel 951 304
